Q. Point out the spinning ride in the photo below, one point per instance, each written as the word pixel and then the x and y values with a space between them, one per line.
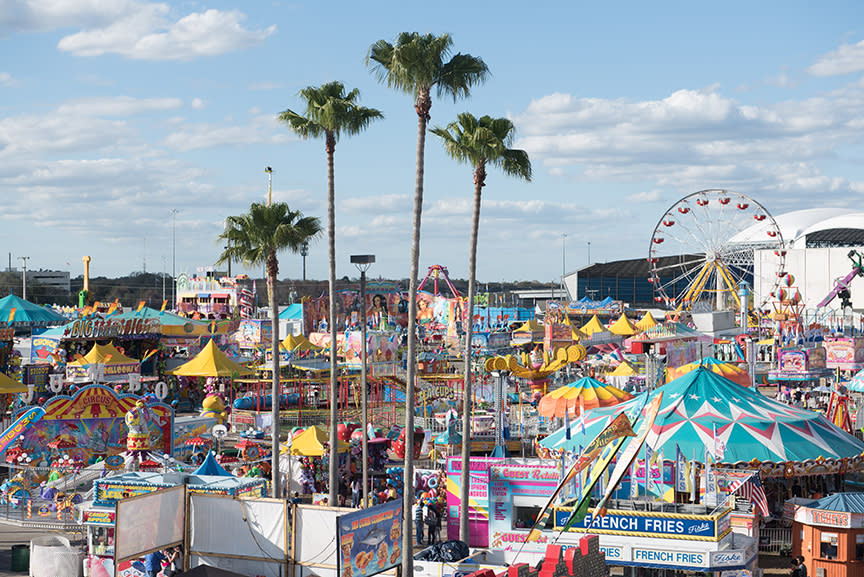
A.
pixel 702 249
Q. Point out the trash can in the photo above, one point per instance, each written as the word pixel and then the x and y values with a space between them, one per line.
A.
pixel 20 558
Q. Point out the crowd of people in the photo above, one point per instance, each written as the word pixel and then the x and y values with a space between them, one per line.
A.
pixel 168 562
pixel 426 516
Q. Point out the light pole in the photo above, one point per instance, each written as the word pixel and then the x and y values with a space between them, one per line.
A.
pixel 174 212
pixel 589 252
pixel 563 258
pixel 269 172
pixel 24 260
pixel 304 252
pixel 363 262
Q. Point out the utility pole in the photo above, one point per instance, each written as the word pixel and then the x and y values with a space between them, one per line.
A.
pixel 174 212
pixel 304 252
pixel 24 259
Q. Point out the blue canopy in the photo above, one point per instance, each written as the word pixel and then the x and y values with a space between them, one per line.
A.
pixel 28 314
pixel 294 311
pixel 211 467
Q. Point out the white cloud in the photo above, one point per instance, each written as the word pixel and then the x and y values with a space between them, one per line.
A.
pixel 694 139
pixel 6 79
pixel 118 106
pixel 199 136
pixel 198 103
pixel 645 196
pixel 130 28
pixel 847 59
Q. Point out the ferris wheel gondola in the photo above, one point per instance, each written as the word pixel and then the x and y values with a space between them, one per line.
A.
pixel 703 248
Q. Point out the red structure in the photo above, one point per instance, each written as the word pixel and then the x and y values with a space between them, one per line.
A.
pixel 829 534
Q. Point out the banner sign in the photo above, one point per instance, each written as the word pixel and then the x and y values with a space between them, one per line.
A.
pixel 100 329
pixel 653 525
pixel 19 426
pixel 370 540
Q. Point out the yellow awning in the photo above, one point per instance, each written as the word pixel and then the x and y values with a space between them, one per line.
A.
pixel 623 326
pixel 646 322
pixel 593 326
pixel 310 443
pixel 103 354
pixel 625 369
pixel 529 326
pixel 299 343
pixel 7 385
pixel 211 362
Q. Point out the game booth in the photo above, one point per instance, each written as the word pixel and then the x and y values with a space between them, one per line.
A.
pixel 98 516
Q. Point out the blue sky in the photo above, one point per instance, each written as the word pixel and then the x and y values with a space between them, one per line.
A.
pixel 113 113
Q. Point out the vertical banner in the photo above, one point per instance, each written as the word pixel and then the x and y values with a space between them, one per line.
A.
pixel 680 471
pixel 617 429
pixel 628 457
pixel 710 479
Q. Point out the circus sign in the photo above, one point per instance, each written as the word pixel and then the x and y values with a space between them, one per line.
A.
pixel 92 422
pixel 109 329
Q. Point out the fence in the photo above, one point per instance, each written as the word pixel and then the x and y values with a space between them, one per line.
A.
pixel 775 539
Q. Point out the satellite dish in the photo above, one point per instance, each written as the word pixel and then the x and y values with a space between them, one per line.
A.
pixel 219 431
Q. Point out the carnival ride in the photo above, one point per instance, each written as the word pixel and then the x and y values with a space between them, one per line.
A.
pixel 537 366
pixel 435 272
pixel 841 285
pixel 703 246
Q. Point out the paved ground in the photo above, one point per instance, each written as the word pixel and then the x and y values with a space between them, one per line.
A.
pixel 12 535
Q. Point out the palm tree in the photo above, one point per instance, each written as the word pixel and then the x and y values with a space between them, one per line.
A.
pixel 416 64
pixel 255 239
pixel 330 111
pixel 478 143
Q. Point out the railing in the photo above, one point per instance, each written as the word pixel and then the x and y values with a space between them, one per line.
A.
pixel 775 539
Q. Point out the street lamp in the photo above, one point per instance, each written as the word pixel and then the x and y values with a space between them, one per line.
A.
pixel 304 252
pixel 363 262
pixel 24 260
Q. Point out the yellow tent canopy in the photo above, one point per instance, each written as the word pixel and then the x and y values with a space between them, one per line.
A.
pixel 211 362
pixel 623 326
pixel 625 369
pixel 103 354
pixel 592 326
pixel 7 385
pixel 299 343
pixel 310 443
pixel 532 325
pixel 646 322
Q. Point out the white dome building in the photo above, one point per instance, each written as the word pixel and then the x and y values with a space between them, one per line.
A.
pixel 818 244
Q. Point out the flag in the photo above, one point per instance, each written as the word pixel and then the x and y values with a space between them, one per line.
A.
pixel 751 488
pixel 680 470
pixel 11 314
pixel 634 482
pixel 618 428
pixel 164 304
pixel 567 434
pixel 719 450
pixel 113 308
pixel 632 450
pixel 580 511
pixel 693 470
pixel 141 306
pixel 650 483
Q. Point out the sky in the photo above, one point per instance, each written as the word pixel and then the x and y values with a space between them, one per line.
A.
pixel 116 113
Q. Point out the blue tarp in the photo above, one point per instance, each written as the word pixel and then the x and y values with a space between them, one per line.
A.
pixel 294 311
pixel 211 467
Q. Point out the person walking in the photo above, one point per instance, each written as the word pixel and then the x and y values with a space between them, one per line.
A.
pixel 355 492
pixel 430 517
pixel 418 522
pixel 175 562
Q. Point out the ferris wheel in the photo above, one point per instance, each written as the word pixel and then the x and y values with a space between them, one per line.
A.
pixel 703 248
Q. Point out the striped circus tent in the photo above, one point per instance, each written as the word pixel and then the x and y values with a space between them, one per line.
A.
pixel 585 393
pixel 741 426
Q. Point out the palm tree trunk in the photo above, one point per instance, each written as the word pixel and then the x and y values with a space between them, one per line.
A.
pixel 333 473
pixel 464 477
pixel 424 103
pixel 276 490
